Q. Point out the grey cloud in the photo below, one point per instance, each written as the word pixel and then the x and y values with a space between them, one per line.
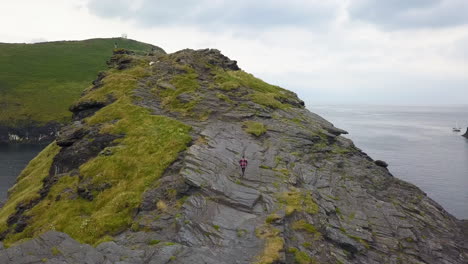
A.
pixel 398 14
pixel 212 14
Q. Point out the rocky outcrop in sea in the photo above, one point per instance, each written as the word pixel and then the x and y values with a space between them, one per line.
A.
pixel 309 195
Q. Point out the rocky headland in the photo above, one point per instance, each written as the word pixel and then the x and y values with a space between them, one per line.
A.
pixel 466 133
pixel 148 172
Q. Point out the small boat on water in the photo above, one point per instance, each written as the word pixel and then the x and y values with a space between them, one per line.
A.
pixel 456 128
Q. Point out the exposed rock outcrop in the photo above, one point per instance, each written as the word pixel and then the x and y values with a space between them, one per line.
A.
pixel 29 133
pixel 466 133
pixel 308 196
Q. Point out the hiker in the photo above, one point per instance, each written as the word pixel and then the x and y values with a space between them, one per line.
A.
pixel 243 164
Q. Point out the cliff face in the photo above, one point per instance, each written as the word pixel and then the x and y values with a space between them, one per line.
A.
pixel 148 173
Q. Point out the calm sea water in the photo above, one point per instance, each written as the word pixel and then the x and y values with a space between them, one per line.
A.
pixel 417 142
pixel 13 159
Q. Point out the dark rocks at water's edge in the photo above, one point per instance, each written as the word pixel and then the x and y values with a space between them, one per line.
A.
pixel 466 133
pixel 381 163
pixel 362 214
pixel 29 133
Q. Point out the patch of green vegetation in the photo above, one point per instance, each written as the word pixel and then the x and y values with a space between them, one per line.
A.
pixel 55 251
pixel 187 84
pixel 103 239
pixel 267 99
pixel 272 218
pixel 283 171
pixel 149 145
pixel 224 97
pixel 172 258
pixel 170 244
pixel 297 200
pixel 303 258
pixel 116 84
pixel 273 244
pixel 40 81
pixel 265 167
pixel 303 225
pixel 339 150
pixel 296 120
pixel 225 80
pixel 216 227
pixel 263 93
pixel 333 197
pixel 338 211
pixel 154 242
pixel 241 232
pixel 254 128
pixel 276 185
pixel 278 160
pixel 307 244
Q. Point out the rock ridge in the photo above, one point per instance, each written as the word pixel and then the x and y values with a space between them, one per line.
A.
pixel 309 194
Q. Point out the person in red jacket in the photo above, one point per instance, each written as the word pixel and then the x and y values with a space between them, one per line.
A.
pixel 243 164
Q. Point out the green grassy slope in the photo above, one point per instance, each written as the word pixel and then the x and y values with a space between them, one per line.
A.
pixel 38 82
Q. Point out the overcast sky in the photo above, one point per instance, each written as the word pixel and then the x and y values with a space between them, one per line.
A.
pixel 329 52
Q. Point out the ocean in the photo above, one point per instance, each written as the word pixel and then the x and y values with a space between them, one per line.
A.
pixel 13 159
pixel 417 142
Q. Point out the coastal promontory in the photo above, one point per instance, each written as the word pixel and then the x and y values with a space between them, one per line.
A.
pixel 147 172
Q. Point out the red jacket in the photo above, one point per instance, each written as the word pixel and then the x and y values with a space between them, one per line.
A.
pixel 243 163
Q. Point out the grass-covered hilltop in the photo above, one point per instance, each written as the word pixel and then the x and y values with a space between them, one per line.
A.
pixel 148 172
pixel 39 82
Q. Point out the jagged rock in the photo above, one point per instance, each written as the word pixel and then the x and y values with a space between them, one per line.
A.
pixel 85 109
pixel 336 131
pixel 97 83
pixel 51 247
pixel 71 134
pixel 121 59
pixel 81 150
pixel 466 133
pixel 166 85
pixel 185 97
pixel 381 163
